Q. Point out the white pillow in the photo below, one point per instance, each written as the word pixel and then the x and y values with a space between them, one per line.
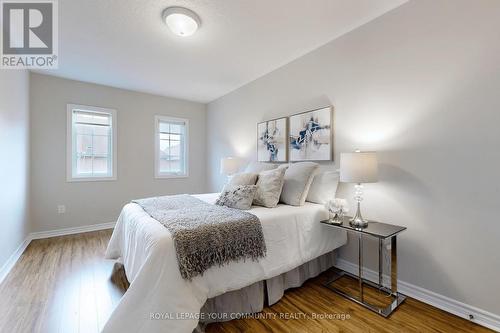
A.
pixel 298 179
pixel 323 187
pixel 244 178
pixel 285 165
pixel 239 197
pixel 269 185
pixel 256 167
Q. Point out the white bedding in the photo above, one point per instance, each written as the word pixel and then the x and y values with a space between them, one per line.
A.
pixel 293 236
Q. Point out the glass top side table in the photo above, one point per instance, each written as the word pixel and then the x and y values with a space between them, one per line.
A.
pixel 381 231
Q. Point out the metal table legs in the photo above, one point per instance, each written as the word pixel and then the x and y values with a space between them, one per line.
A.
pixel 360 266
pixel 393 291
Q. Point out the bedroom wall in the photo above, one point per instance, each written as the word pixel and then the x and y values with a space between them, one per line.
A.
pixel 14 161
pixel 90 203
pixel 420 85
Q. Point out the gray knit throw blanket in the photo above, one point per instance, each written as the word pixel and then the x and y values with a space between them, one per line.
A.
pixel 206 235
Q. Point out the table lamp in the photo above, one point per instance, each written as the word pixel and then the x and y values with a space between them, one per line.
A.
pixel 358 167
pixel 229 165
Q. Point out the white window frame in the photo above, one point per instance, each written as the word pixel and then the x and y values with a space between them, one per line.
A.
pixel 70 177
pixel 166 175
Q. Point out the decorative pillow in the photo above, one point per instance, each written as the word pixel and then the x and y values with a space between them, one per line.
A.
pixel 245 178
pixel 239 197
pixel 298 179
pixel 284 166
pixel 323 187
pixel 269 185
pixel 256 167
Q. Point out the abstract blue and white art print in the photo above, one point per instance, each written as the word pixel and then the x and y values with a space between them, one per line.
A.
pixel 311 136
pixel 271 141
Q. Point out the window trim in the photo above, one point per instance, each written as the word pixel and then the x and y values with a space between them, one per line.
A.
pixel 69 143
pixel 157 173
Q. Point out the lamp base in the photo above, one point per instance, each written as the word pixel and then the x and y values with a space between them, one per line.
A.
pixel 358 221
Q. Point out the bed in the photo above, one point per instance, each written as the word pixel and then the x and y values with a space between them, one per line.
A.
pixel 160 300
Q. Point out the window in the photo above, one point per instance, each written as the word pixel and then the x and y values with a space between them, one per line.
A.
pixel 91 143
pixel 171 142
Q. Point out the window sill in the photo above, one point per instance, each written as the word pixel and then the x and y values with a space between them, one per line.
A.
pixel 90 179
pixel 170 176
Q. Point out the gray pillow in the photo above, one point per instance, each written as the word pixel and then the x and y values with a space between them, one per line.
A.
pixel 245 178
pixel 269 185
pixel 298 179
pixel 323 187
pixel 239 197
pixel 257 167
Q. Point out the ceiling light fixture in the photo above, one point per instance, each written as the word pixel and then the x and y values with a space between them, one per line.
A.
pixel 182 21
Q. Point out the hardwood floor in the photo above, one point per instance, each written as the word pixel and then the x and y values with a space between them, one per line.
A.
pixel 63 284
pixel 60 284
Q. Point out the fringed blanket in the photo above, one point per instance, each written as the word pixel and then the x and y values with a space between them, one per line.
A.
pixel 206 235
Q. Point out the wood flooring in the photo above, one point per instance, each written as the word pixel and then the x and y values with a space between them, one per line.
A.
pixel 64 284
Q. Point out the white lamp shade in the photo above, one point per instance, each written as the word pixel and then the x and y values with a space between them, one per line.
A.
pixel 229 165
pixel 359 167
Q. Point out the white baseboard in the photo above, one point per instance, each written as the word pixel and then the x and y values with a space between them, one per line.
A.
pixel 71 231
pixel 7 267
pixel 9 264
pixel 479 316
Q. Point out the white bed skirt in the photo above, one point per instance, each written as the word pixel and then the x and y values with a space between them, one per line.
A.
pixel 253 298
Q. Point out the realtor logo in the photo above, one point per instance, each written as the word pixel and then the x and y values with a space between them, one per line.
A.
pixel 29 34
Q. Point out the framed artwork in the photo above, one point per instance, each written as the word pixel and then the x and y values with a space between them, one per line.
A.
pixel 310 137
pixel 271 140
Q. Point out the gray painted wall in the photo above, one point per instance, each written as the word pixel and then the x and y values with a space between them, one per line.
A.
pixel 420 85
pixel 100 202
pixel 14 161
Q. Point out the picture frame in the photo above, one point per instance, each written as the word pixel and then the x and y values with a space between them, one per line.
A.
pixel 272 140
pixel 310 136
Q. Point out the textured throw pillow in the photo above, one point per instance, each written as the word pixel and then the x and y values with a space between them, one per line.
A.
pixel 323 187
pixel 245 178
pixel 298 179
pixel 269 185
pixel 257 167
pixel 239 197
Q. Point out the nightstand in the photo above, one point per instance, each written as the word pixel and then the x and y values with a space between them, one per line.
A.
pixel 382 232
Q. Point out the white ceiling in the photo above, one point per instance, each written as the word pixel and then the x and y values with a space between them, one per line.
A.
pixel 124 43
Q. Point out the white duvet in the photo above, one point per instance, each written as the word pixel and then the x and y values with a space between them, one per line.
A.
pixel 159 300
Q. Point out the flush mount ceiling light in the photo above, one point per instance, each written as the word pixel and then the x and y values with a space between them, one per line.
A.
pixel 182 21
